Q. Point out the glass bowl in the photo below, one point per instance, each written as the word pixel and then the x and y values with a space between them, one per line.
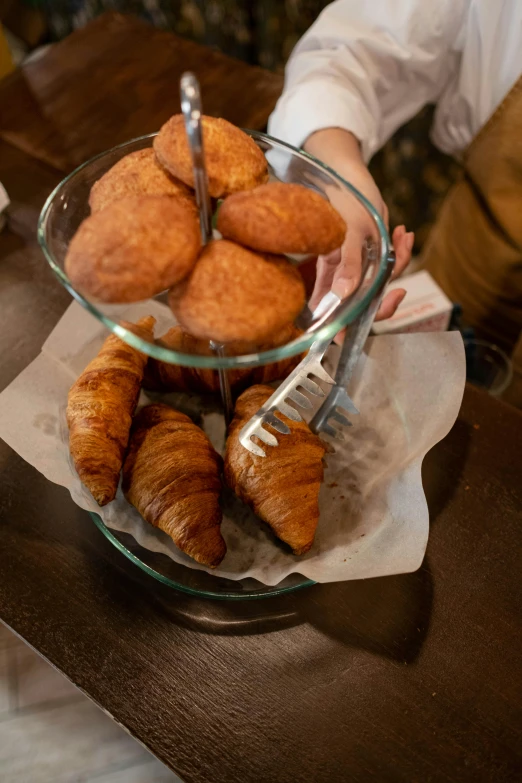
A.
pixel 190 580
pixel 60 218
pixel 67 206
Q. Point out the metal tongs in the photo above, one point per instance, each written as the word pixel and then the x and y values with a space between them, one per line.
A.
pixel 338 397
pixel 328 307
pixel 192 112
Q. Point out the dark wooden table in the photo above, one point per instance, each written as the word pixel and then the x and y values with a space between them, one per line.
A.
pixel 407 678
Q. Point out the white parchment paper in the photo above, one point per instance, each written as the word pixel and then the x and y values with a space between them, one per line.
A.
pixel 374 517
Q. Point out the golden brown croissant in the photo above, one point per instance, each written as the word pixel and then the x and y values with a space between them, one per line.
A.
pixel 283 487
pixel 171 476
pixel 160 376
pixel 99 411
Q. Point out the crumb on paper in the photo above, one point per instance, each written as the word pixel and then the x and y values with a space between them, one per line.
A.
pixel 333 484
pixel 434 694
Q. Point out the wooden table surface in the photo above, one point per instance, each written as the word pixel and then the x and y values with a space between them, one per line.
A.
pixel 408 678
pixel 117 79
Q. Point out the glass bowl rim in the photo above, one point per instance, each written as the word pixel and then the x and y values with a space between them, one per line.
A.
pixel 299 345
pixel 272 591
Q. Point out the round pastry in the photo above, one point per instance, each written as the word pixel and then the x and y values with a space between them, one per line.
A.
pixel 133 249
pixel 137 174
pixel 233 160
pixel 235 294
pixel 281 217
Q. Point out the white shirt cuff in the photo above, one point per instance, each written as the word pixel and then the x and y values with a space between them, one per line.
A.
pixel 321 104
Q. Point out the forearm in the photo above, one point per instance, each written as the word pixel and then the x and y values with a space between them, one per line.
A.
pixel 340 150
pixel 335 147
pixel 340 271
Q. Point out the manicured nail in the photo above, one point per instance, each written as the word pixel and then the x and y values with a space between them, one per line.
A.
pixel 410 239
pixel 343 287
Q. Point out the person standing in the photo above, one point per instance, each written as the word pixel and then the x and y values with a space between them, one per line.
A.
pixel 364 69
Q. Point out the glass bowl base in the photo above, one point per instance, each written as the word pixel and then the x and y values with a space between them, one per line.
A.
pixel 188 580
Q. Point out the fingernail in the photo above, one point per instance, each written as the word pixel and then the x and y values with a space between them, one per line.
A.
pixel 344 286
pixel 410 239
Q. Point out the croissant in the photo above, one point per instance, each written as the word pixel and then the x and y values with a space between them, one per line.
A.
pixel 163 377
pixel 283 487
pixel 99 411
pixel 172 477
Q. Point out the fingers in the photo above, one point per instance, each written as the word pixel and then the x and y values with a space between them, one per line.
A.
pixel 388 307
pixel 403 246
pixel 348 273
pixel 340 271
pixel 339 337
pixel 390 303
pixel 325 270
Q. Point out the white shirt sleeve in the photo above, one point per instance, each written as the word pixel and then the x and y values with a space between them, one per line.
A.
pixel 368 66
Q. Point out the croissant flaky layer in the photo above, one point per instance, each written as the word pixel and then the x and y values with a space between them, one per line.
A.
pixel 171 476
pixel 99 411
pixel 283 487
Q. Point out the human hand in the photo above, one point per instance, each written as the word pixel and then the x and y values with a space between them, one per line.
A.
pixel 340 271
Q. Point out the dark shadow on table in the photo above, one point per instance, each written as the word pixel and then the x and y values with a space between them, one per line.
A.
pixel 388 616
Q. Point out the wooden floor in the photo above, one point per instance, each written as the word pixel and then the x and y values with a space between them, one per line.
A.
pixel 51 733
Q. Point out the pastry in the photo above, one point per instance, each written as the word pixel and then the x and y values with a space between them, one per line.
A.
pixel 137 174
pixel 283 487
pixel 172 477
pixel 163 377
pixel 235 294
pixel 233 160
pixel 282 218
pixel 99 411
pixel 133 249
